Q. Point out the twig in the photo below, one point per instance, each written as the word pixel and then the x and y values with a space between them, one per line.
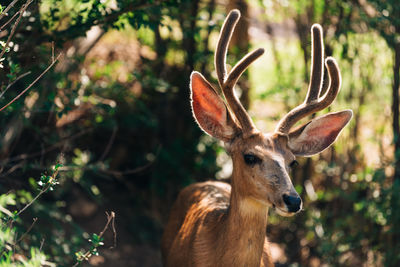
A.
pixel 8 8
pixel 13 82
pixel 13 169
pixel 52 51
pixel 131 171
pixel 22 10
pixel 29 87
pixel 91 167
pixel 110 219
pixel 109 145
pixel 136 170
pixel 95 167
pixel 27 231
pixel 54 175
pixel 114 231
pixel 41 244
pixel 51 148
pixel 11 19
pixel 33 200
pixel 5 211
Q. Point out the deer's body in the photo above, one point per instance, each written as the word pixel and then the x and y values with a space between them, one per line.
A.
pixel 205 222
pixel 216 224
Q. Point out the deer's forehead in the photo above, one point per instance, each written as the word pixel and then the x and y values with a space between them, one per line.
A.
pixel 257 143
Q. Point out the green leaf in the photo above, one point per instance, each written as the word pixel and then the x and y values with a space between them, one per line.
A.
pixel 57 166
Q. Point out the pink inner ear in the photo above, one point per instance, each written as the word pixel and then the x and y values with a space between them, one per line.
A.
pixel 205 99
pixel 330 136
pixel 208 107
pixel 327 128
pixel 318 134
pixel 207 103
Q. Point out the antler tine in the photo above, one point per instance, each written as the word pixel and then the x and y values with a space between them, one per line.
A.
pixel 313 102
pixel 317 63
pixel 241 66
pixel 222 46
pixel 228 84
pixel 335 80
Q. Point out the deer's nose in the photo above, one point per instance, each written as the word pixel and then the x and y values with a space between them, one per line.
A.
pixel 293 203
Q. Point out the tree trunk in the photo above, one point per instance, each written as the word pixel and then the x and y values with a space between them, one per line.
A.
pixel 395 110
pixel 392 257
pixel 302 28
pixel 204 65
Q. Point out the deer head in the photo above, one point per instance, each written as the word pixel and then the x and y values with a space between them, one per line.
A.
pixel 262 162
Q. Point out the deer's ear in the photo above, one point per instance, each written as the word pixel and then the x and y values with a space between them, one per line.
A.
pixel 318 134
pixel 210 110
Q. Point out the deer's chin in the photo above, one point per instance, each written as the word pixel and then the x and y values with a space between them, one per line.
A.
pixel 284 213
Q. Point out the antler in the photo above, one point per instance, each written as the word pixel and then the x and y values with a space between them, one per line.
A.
pixel 313 101
pixel 227 82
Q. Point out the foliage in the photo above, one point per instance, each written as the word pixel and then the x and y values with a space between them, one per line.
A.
pixel 12 252
pixel 124 120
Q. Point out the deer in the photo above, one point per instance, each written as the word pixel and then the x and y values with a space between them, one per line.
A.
pixel 214 223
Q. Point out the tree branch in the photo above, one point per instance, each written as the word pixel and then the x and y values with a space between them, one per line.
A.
pixel 21 12
pixel 8 8
pixel 35 81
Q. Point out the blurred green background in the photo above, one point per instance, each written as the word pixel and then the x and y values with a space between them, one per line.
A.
pixel 109 126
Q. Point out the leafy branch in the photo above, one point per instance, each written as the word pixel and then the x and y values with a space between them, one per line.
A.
pixel 97 241
pixel 46 182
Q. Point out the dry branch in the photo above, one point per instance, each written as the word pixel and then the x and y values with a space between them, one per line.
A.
pixel 8 8
pixel 21 12
pixel 35 81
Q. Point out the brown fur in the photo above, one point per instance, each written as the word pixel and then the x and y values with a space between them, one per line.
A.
pixel 202 225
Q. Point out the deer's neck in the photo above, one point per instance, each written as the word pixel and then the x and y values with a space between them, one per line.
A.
pixel 245 226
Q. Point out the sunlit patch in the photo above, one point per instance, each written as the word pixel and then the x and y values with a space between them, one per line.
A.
pixel 251 206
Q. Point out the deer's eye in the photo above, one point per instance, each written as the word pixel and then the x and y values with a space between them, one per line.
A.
pixel 251 159
pixel 294 164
